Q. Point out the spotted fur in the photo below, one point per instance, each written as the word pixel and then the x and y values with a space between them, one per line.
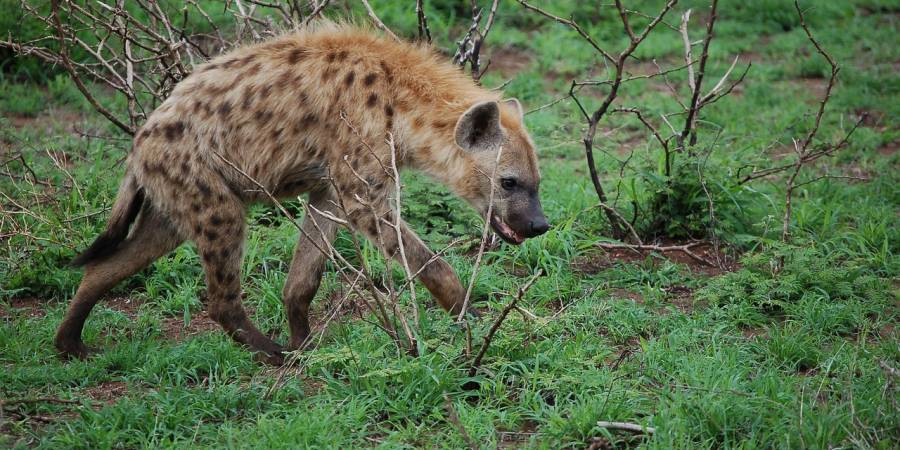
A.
pixel 308 112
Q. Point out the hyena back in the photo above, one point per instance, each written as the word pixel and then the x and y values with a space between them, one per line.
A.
pixel 310 112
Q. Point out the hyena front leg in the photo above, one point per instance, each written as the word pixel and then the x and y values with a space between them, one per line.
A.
pixel 437 276
pixel 219 235
pixel 307 266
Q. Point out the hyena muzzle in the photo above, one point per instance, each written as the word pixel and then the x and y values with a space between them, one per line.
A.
pixel 310 112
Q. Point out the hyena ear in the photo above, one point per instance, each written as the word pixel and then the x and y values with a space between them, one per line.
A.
pixel 516 106
pixel 479 127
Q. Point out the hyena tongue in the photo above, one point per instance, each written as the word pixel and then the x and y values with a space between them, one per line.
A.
pixel 506 231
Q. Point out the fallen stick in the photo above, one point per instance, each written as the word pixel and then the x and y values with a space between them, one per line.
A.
pixel 686 249
pixel 626 426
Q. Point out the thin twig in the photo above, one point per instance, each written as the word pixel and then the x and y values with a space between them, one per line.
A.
pixel 473 369
pixel 626 426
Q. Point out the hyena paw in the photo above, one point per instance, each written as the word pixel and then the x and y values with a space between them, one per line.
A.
pixel 69 350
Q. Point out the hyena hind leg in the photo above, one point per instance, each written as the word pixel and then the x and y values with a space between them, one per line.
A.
pixel 220 242
pixel 152 236
pixel 307 266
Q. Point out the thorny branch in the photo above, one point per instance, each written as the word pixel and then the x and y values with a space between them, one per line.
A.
pixel 593 119
pixel 476 363
pixel 141 51
pixel 804 150
pixel 469 47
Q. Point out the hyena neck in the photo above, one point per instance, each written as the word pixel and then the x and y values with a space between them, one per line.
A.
pixel 431 150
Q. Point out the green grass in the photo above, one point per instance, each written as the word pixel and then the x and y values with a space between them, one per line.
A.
pixel 762 357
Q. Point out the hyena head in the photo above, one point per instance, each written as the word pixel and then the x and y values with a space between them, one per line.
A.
pixel 514 202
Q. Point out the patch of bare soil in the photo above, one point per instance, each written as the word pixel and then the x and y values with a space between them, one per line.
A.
pixel 624 293
pixel 813 87
pixel 872 118
pixel 888 332
pixel 681 297
pixel 509 61
pixel 106 393
pixel 174 328
pixel 125 305
pixel 710 263
pixel 24 307
pixel 889 149
pixel 751 333
pixel 49 122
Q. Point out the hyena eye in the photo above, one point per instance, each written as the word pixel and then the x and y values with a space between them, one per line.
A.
pixel 508 183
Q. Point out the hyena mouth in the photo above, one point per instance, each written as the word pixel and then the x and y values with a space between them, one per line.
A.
pixel 505 232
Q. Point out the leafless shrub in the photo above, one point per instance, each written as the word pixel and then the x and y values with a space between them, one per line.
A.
pixel 468 49
pixel 143 59
pixel 804 149
pixel 671 139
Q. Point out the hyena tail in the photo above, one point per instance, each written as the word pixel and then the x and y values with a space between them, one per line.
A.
pixel 124 211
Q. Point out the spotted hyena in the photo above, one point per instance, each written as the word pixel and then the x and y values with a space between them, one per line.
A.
pixel 310 112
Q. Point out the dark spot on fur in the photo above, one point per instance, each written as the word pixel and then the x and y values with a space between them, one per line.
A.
pixel 295 55
pixel 207 256
pixel 262 116
pixel 247 101
pixel 229 63
pixel 276 133
pixel 264 93
pixel 196 207
pixel 419 122
pixel 220 275
pixel 174 130
pixel 284 80
pixel 309 120
pixel 210 235
pixel 388 110
pixel 225 108
pixel 330 57
pixel 215 220
pixel 224 253
pixel 342 55
pixel 204 188
pixel 327 74
pixel 209 67
pixel 253 70
pixel 348 80
pixel 369 79
pixel 372 100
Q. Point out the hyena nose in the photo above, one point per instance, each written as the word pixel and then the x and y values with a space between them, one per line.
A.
pixel 539 227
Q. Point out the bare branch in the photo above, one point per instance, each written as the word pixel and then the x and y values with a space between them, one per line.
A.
pixel 473 369
pixel 378 23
